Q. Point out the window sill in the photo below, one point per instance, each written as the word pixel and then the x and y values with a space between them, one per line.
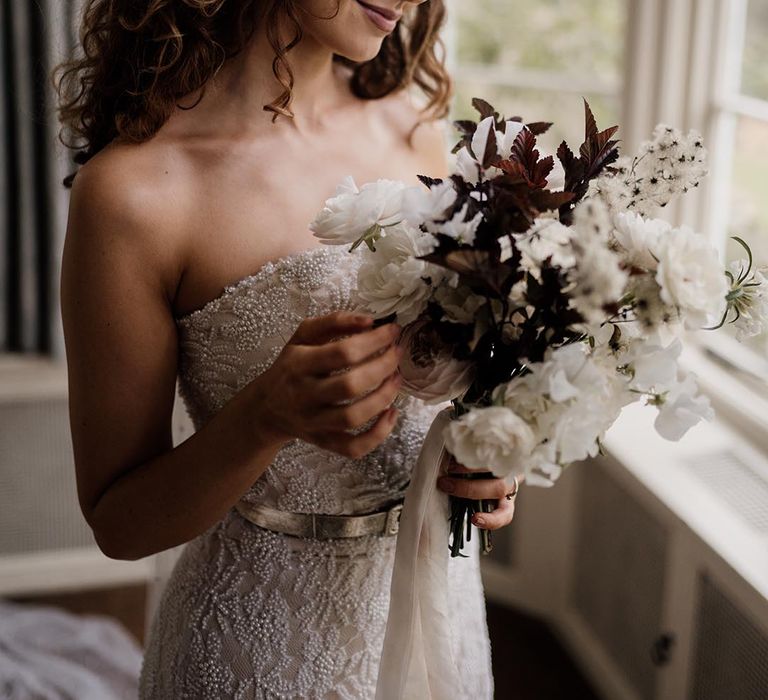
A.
pixel 31 377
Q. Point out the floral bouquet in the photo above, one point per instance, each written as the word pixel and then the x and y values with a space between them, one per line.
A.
pixel 541 313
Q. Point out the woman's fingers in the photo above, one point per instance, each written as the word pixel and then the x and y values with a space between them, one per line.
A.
pixel 357 446
pixel 360 380
pixel 353 350
pixel 323 329
pixel 355 414
pixel 499 517
pixel 474 489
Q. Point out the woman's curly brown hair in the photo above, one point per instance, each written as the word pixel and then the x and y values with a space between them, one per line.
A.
pixel 139 58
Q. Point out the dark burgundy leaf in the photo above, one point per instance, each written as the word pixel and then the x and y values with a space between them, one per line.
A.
pixel 484 108
pixel 429 181
pixel 539 128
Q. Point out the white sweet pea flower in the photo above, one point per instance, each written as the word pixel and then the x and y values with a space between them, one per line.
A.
pixel 393 280
pixel 654 367
pixel 493 438
pixel 481 136
pixel 569 400
pixel 353 213
pixel 504 140
pixel 638 237
pixel 507 139
pixel 428 204
pixel 680 409
pixel 466 166
pixel 691 276
pixel 457 227
pixel 542 469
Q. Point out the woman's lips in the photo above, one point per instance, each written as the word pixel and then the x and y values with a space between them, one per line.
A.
pixel 384 19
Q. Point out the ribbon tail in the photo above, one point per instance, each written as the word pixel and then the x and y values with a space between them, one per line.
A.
pixel 417 659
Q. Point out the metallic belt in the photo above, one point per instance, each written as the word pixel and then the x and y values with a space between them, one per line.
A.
pixel 324 527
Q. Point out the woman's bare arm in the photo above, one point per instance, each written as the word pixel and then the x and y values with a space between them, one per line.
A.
pixel 138 493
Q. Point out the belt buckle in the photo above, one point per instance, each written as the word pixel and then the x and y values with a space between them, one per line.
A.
pixel 392 524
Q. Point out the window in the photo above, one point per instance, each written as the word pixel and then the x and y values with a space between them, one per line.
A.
pixel 739 205
pixel 537 60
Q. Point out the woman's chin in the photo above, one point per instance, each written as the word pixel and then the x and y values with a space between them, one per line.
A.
pixel 361 51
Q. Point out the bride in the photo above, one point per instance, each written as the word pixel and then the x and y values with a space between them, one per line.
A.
pixel 210 132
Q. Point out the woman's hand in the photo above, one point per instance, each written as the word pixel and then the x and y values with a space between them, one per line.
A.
pixel 481 489
pixel 335 375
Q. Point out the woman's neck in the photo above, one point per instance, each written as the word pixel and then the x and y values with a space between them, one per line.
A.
pixel 247 82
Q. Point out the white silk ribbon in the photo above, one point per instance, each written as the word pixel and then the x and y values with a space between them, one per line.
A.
pixel 417 660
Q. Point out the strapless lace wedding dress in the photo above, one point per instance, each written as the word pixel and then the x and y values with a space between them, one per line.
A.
pixel 248 613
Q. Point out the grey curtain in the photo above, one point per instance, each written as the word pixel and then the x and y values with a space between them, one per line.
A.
pixel 34 36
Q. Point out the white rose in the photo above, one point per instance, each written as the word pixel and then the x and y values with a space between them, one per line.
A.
pixel 638 237
pixel 493 438
pixel 681 409
pixel 353 212
pixel 691 276
pixel 428 369
pixel 393 280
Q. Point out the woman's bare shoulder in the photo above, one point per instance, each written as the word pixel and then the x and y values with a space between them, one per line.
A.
pixel 135 181
pixel 425 137
pixel 134 194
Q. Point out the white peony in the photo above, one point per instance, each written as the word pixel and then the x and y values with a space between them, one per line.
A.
pixel 493 438
pixel 353 212
pixel 392 280
pixel 428 369
pixel 681 408
pixel 638 237
pixel 691 276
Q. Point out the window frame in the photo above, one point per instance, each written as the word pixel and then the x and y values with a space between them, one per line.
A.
pixel 667 44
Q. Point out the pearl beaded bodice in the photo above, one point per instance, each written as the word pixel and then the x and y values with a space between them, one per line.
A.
pixel 249 613
pixel 238 335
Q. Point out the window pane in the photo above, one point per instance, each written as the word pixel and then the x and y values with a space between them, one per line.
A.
pixel 749 205
pixel 570 36
pixel 755 68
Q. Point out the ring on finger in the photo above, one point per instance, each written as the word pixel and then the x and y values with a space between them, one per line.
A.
pixel 512 494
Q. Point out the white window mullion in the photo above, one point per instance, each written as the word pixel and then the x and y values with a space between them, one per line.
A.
pixel 732 19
